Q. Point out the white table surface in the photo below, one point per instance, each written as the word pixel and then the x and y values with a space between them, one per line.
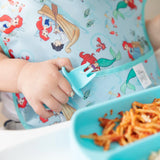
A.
pixel 48 143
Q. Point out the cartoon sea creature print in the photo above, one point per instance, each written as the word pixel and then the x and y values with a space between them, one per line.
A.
pixel 11 23
pixel 86 94
pixel 100 45
pixel 90 23
pixel 110 25
pixel 138 20
pixel 116 57
pixel 91 59
pixel 45 29
pixel 42 1
pixel 104 62
pixel 127 83
pixel 114 94
pixel 10 51
pixel 19 6
pixel 22 102
pixel 101 62
pixel 11 2
pixel 68 32
pixel 14 6
pixel 87 12
pixel 121 5
pixel 134 49
pixel 6 40
pixel 11 55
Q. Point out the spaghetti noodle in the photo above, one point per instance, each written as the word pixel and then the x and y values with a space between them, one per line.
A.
pixel 139 122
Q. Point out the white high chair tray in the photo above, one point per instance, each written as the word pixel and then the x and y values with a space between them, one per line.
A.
pixel 45 143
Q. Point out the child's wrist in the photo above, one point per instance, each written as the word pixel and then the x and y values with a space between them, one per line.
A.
pixel 21 75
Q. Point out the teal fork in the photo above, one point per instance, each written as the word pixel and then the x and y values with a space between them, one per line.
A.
pixel 78 78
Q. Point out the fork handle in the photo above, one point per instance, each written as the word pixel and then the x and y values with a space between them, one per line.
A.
pixel 67 76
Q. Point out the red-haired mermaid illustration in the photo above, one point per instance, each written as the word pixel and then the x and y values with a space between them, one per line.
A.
pixel 96 64
pixel 12 24
pixel 22 102
pixel 131 4
pixel 134 49
pixel 43 30
pixel 91 59
pixel 124 4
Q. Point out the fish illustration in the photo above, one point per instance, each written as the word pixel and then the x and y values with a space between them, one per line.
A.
pixel 86 12
pixel 112 32
pixel 113 22
pixel 114 94
pixel 127 84
pixel 90 23
pixel 86 94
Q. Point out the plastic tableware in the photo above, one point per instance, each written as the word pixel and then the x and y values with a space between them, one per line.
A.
pixel 85 122
pixel 78 78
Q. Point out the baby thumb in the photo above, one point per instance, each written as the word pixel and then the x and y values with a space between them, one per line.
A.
pixel 63 62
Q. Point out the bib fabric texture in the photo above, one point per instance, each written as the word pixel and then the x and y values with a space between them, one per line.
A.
pixel 110 35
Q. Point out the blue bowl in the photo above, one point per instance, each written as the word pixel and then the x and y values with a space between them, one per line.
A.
pixel 85 121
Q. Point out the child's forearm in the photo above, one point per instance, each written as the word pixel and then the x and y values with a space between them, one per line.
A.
pixel 41 83
pixel 9 72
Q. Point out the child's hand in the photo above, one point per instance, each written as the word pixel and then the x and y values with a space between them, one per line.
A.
pixel 42 83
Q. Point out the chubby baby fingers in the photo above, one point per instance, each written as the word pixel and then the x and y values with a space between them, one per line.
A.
pixel 52 104
pixel 63 62
pixel 65 86
pixel 42 111
pixel 60 95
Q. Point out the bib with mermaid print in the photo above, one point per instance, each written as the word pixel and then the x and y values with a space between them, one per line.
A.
pixel 109 34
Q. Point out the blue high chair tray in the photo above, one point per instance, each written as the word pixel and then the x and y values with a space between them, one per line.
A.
pixel 85 122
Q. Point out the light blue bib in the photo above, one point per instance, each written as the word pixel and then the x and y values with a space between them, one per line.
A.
pixel 110 35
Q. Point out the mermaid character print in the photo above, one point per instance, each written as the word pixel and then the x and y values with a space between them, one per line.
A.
pixel 122 5
pixel 10 24
pixel 134 49
pixel 66 32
